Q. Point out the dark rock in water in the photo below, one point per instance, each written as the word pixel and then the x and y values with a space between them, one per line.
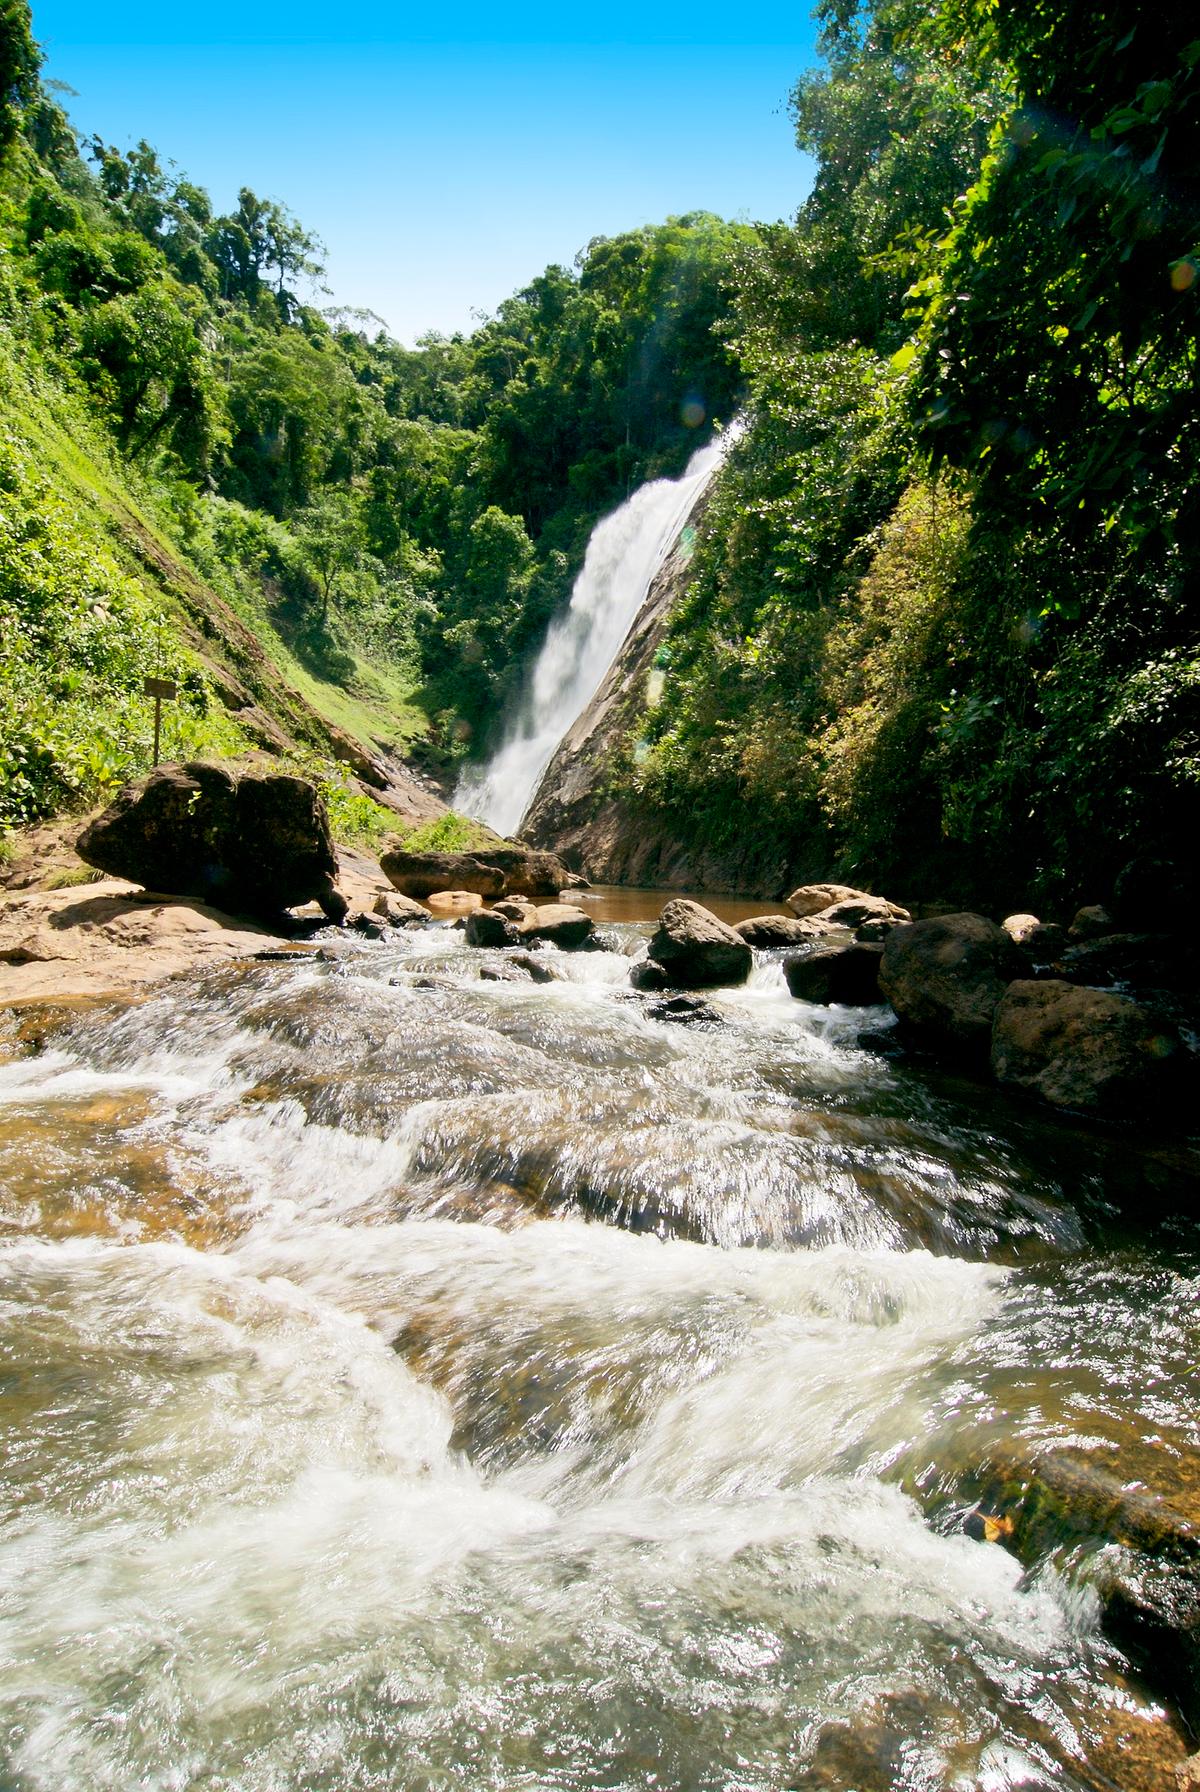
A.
pixel 687 1009
pixel 1144 960
pixel 537 968
pixel 250 843
pixel 398 910
pixel 372 927
pixel 648 976
pixel 1091 923
pixel 515 909
pixel 421 873
pixel 1086 1048
pixel 873 932
pixel 506 972
pixel 1041 941
pixel 487 928
pixel 766 931
pixel 525 871
pixel 945 976
pixel 696 950
pixel 846 974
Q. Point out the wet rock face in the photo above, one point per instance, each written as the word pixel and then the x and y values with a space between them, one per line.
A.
pixel 248 843
pixel 847 974
pixel 1085 1048
pixel 422 873
pixel 696 950
pixel 945 976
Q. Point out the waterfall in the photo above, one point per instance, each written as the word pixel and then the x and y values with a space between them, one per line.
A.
pixel 623 555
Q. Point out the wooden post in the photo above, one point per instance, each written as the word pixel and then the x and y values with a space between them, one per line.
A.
pixel 158 688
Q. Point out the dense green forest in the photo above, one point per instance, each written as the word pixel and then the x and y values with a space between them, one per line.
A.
pixel 943 625
pixel 940 630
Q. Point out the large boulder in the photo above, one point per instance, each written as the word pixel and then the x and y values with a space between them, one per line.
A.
pixel 766 931
pixel 251 843
pixel 421 873
pixel 945 976
pixel 696 950
pixel 853 911
pixel 1091 923
pixel 559 924
pixel 526 872
pixel 847 974
pixel 452 905
pixel 1085 1048
pixel 487 928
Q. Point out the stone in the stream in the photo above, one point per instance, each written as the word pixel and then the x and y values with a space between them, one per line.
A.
pixel 537 968
pixel 696 950
pixel 765 931
pixel 810 899
pixel 1091 923
pixel 846 974
pixel 559 924
pixel 1042 941
pixel 487 928
pixel 687 1010
pixel 874 931
pixel 424 873
pixel 453 904
pixel 527 872
pixel 1085 1048
pixel 648 976
pixel 945 976
pixel 396 910
pixel 247 842
pixel 854 911
pixel 513 908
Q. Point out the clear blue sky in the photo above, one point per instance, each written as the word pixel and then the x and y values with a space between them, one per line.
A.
pixel 446 154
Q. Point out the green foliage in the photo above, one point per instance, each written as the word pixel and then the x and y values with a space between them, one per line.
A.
pixel 450 833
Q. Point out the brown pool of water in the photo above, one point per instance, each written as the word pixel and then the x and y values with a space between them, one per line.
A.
pixel 614 902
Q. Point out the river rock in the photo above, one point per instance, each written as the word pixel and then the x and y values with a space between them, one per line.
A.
pixel 526 872
pixel 539 971
pixel 486 928
pixel 559 924
pixel 766 931
pixel 1091 923
pixel 854 911
pixel 810 899
pixel 847 974
pixel 248 843
pixel 648 976
pixel 514 909
pixel 945 976
pixel 397 910
pixel 1041 941
pixel 685 1010
pixel 696 950
pixel 1084 1048
pixel 424 873
pixel 453 904
pixel 876 930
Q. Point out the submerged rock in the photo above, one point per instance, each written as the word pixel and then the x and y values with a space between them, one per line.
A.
pixel 847 974
pixel 249 842
pixel 687 1010
pixel 945 976
pixel 696 950
pixel 1085 1048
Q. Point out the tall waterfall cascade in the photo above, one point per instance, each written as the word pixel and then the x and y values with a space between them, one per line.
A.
pixel 625 551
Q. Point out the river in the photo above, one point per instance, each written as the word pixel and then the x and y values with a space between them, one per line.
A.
pixel 417 1381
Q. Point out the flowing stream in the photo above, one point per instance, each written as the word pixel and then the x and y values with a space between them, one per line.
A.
pixel 417 1381
pixel 625 551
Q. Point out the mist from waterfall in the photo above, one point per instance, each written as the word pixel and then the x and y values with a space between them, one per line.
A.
pixel 625 551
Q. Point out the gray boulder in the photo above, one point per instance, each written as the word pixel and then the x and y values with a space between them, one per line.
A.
pixel 250 843
pixel 696 950
pixel 1085 1048
pixel 945 976
pixel 846 974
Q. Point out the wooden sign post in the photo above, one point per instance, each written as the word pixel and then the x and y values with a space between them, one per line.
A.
pixel 158 688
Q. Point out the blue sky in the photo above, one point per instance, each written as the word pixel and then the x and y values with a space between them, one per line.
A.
pixel 446 155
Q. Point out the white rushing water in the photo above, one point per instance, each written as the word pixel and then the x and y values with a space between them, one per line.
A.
pixel 623 555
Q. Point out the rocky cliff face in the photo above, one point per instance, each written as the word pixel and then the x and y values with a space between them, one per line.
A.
pixel 612 838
